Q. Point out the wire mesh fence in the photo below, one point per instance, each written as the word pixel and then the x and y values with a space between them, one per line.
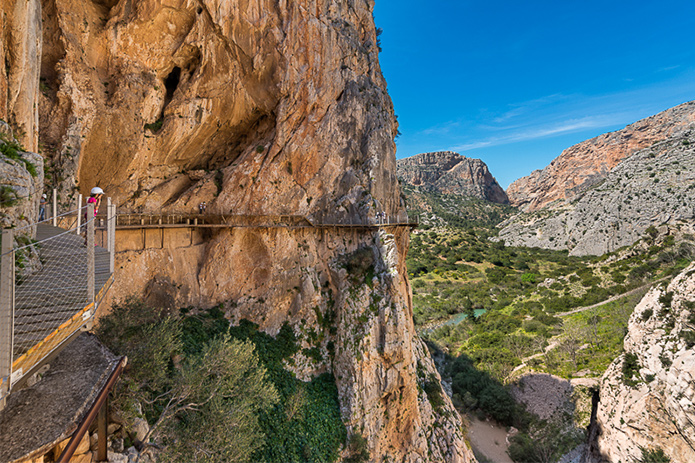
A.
pixel 46 306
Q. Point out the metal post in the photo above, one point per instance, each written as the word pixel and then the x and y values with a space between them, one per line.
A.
pixel 55 207
pixel 102 431
pixel 90 253
pixel 6 314
pixel 111 233
pixel 79 213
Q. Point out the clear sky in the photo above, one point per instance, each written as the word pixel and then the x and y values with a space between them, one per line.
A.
pixel 515 82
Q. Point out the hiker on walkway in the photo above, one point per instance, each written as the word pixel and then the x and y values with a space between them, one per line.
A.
pixel 94 198
pixel 42 207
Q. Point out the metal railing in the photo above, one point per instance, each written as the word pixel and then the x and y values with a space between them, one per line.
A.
pixel 56 294
pixel 155 220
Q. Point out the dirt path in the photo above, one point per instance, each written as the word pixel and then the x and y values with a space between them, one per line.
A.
pixel 611 299
pixel 489 439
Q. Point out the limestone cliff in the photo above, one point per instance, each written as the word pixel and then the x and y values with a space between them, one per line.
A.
pixel 584 165
pixel 649 402
pixel 20 51
pixel 447 172
pixel 653 187
pixel 256 107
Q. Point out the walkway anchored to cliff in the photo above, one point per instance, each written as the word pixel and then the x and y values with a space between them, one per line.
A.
pixel 126 221
pixel 50 288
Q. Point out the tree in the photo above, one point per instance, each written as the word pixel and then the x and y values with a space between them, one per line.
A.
pixel 211 414
pixel 202 402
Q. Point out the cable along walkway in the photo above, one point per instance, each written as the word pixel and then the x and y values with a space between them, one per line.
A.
pixel 43 311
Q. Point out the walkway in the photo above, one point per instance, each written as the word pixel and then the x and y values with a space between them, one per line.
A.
pixel 46 308
pixel 56 294
pixel 126 221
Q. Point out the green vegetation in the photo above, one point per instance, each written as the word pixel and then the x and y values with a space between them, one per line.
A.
pixel 8 197
pixel 492 308
pixel 653 456
pixel 11 149
pixel 155 126
pixel 201 399
pixel 234 376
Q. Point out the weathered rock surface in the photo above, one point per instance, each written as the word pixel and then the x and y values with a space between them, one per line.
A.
pixel 20 191
pixel 20 51
pixel 447 172
pixel 655 186
pixel 265 108
pixel 658 411
pixel 584 165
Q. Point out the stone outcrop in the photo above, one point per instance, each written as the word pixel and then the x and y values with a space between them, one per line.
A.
pixel 656 411
pixel 258 108
pixel 584 165
pixel 21 183
pixel 447 172
pixel 655 186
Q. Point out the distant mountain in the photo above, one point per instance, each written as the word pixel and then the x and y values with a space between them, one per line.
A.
pixel 446 172
pixel 584 165
pixel 652 187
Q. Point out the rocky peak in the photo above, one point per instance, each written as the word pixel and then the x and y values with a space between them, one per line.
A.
pixel 584 165
pixel 448 172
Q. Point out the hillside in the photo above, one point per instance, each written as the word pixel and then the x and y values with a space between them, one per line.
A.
pixel 501 315
pixel 652 187
pixel 449 173
pixel 582 166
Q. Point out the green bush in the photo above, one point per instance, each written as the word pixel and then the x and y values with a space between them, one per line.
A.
pixel 203 403
pixel 630 369
pixel 656 455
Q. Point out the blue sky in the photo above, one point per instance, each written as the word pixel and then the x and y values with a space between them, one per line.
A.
pixel 514 83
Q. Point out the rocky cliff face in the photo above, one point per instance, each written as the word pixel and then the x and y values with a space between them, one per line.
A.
pixel 655 186
pixel 450 173
pixel 650 403
pixel 20 50
pixel 255 107
pixel 584 165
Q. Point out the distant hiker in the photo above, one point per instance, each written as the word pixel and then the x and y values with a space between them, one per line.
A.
pixel 42 207
pixel 200 208
pixel 205 206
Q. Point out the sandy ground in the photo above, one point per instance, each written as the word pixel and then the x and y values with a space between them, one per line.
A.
pixel 488 438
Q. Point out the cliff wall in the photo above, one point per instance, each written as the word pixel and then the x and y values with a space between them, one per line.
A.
pixel 649 403
pixel 582 166
pixel 254 107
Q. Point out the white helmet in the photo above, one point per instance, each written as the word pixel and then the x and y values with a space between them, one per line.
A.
pixel 97 191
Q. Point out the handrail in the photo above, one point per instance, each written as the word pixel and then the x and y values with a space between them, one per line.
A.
pixel 43 310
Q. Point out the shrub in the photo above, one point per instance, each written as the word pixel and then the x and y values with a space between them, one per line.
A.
pixel 656 455
pixel 647 314
pixel 630 369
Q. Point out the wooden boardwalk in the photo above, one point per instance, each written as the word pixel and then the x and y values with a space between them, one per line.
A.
pixel 126 221
pixel 52 304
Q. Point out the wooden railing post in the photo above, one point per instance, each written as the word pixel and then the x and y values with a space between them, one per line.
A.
pixel 111 233
pixel 55 207
pixel 79 213
pixel 90 253
pixel 6 314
